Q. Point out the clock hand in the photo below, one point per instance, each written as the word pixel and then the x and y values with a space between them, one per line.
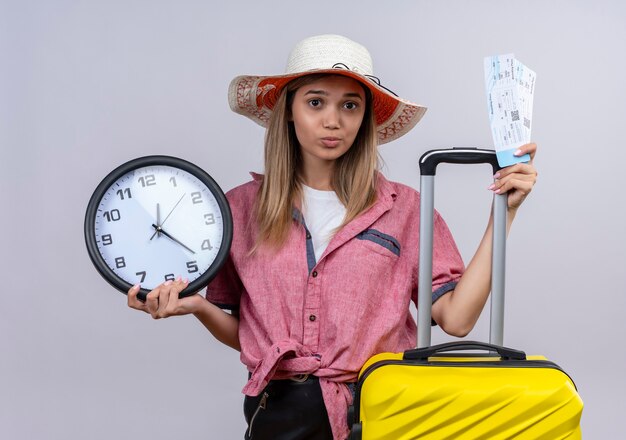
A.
pixel 167 216
pixel 158 219
pixel 160 230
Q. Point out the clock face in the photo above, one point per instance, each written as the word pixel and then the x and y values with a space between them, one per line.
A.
pixel 157 218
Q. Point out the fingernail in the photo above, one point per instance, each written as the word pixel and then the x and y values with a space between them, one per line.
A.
pixel 517 153
pixel 179 278
pixel 492 186
pixel 167 283
pixel 136 286
pixel 495 176
pixel 497 191
pixel 186 280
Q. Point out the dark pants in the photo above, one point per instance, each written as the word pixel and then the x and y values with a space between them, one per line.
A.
pixel 287 410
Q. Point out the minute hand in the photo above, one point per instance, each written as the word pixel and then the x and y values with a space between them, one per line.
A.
pixel 159 229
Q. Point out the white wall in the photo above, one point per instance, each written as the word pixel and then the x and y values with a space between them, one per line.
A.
pixel 85 86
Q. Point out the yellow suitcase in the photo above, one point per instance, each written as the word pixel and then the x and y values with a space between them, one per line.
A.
pixel 425 394
pixel 432 394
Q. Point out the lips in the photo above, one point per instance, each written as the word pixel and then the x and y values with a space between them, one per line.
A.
pixel 330 142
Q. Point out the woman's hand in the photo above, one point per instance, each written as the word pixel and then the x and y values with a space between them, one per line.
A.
pixel 518 180
pixel 163 301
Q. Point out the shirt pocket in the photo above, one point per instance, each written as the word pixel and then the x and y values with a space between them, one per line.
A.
pixel 380 242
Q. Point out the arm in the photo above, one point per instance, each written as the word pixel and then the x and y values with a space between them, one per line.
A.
pixel 458 311
pixel 222 325
pixel 163 302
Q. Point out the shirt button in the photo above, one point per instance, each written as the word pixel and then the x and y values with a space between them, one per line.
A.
pixel 308 236
pixel 312 318
pixel 314 274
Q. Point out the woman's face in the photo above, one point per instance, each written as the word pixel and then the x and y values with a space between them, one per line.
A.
pixel 327 115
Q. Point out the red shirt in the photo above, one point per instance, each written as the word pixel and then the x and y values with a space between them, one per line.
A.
pixel 327 317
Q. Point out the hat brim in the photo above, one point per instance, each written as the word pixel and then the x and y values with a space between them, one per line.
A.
pixel 255 97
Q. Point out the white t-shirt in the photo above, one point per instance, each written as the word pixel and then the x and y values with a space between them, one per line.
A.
pixel 323 213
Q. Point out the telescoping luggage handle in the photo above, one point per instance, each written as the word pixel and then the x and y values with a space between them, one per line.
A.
pixel 428 168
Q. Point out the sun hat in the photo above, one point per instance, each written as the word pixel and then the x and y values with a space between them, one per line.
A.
pixel 255 96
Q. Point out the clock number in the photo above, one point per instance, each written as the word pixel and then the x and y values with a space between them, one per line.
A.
pixel 120 262
pixel 169 277
pixel 112 215
pixel 106 240
pixel 209 219
pixel 173 180
pixel 192 267
pixel 196 197
pixel 206 245
pixel 149 180
pixel 142 274
pixel 121 192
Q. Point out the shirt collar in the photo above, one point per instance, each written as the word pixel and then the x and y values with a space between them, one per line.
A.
pixel 385 196
pixel 385 188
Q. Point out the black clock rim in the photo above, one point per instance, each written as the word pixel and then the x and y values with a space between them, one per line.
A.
pixel 89 228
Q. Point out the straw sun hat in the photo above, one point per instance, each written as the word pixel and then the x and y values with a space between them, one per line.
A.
pixel 255 96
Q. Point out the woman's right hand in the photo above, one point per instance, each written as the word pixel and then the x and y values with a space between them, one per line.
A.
pixel 163 301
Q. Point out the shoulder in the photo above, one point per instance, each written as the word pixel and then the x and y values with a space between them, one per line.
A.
pixel 400 193
pixel 399 204
pixel 406 198
pixel 246 192
pixel 242 198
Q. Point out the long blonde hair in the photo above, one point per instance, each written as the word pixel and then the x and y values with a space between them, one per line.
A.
pixel 354 178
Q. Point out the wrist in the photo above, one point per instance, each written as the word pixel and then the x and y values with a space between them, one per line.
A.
pixel 196 302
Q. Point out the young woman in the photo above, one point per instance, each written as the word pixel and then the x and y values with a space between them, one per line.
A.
pixel 323 263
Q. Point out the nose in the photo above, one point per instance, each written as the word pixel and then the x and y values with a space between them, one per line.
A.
pixel 331 118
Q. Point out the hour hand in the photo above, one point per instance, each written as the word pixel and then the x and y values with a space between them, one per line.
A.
pixel 158 221
pixel 159 229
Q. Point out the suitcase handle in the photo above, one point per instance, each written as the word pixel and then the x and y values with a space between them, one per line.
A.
pixel 461 155
pixel 422 354
pixel 428 164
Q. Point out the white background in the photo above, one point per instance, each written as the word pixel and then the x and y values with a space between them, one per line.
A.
pixel 85 86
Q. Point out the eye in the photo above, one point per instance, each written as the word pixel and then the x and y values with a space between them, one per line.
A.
pixel 350 105
pixel 315 102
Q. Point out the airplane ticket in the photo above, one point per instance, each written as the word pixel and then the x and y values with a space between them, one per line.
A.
pixel 510 88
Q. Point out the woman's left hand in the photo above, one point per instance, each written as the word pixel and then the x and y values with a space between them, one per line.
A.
pixel 517 179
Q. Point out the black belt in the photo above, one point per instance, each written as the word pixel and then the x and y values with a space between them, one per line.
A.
pixel 301 378
pixel 297 378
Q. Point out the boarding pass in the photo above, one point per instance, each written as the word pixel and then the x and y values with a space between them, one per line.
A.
pixel 510 87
